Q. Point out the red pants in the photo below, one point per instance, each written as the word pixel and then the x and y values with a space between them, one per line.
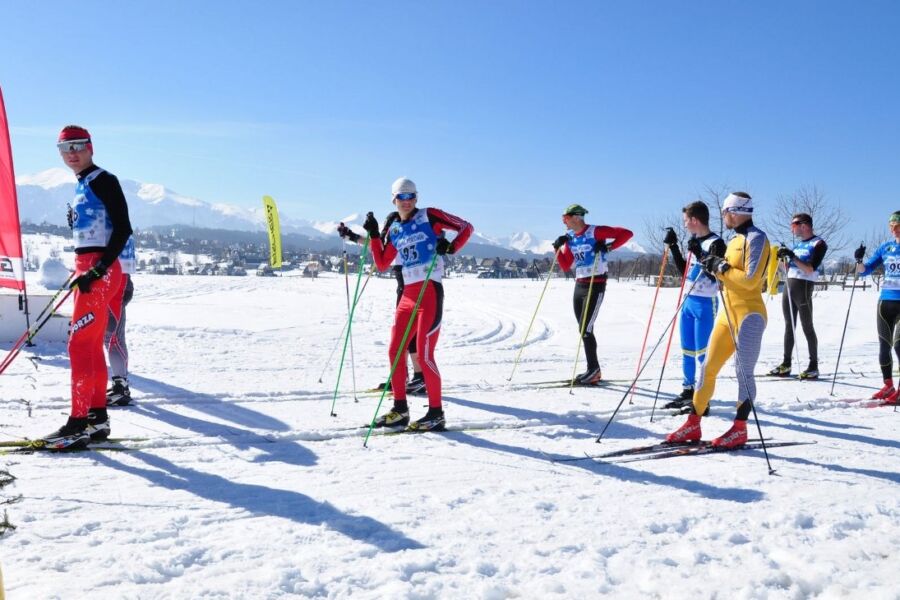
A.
pixel 426 327
pixel 86 339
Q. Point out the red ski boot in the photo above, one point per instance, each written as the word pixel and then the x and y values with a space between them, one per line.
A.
pixel 893 398
pixel 733 438
pixel 886 392
pixel 689 433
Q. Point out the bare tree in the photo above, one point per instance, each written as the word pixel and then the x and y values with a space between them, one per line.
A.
pixel 714 196
pixel 875 238
pixel 829 221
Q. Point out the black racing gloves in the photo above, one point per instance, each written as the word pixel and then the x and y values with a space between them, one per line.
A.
pixel 560 242
pixel 860 253
pixel 371 225
pixel 695 248
pixel 715 264
pixel 786 253
pixel 671 239
pixel 84 281
pixel 443 247
pixel 347 233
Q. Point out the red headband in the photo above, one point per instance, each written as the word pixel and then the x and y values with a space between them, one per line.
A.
pixel 73 132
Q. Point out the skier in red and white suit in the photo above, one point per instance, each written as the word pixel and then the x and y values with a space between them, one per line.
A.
pixel 101 228
pixel 416 237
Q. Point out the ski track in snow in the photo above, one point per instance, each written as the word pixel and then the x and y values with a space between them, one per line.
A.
pixel 245 487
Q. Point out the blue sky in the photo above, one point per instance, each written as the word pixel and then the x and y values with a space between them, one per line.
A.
pixel 503 112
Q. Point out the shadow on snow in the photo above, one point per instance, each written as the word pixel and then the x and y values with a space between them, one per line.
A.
pixel 262 500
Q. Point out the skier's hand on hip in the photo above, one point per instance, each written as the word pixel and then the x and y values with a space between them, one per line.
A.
pixel 601 247
pixel 443 247
pixel 83 282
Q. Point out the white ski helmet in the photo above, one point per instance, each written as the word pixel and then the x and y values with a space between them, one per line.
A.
pixel 404 185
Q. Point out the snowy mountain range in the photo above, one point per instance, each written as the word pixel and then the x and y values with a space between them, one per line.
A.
pixel 43 197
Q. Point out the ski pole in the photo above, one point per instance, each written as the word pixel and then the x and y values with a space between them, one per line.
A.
pixel 30 332
pixel 662 268
pixel 362 260
pixel 742 377
pixel 35 328
pixel 337 341
pixel 647 362
pixel 584 312
pixel 528 331
pixel 400 352
pixel 787 290
pixel 352 359
pixel 844 333
pixel 687 266
pixel 65 286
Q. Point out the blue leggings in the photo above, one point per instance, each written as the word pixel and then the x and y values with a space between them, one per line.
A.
pixel 697 317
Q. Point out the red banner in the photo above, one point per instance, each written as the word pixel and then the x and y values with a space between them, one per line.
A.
pixel 12 271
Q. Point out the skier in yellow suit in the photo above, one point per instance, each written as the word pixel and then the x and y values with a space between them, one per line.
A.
pixel 741 274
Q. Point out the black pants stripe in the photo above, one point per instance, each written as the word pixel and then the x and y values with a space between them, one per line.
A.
pixel 888 334
pixel 800 308
pixel 598 290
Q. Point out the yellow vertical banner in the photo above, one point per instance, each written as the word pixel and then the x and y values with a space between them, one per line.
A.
pixel 274 229
pixel 773 276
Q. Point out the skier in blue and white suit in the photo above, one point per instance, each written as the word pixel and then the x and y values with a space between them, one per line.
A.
pixel 699 309
pixel 888 313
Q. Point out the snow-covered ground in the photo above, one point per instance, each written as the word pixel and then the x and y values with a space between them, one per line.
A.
pixel 247 488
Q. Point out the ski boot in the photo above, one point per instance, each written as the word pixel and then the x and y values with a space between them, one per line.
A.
pixel 119 394
pixel 71 436
pixel 733 438
pixel 589 377
pixel 432 421
pixel 782 370
pixel 811 372
pixel 398 416
pixel 886 392
pixel 682 401
pixel 893 398
pixel 688 433
pixel 98 424
pixel 416 385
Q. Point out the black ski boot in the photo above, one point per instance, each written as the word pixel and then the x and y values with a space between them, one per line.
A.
pixel 432 421
pixel 782 370
pixel 98 424
pixel 398 416
pixel 811 372
pixel 119 394
pixel 71 436
pixel 685 399
pixel 589 377
pixel 416 385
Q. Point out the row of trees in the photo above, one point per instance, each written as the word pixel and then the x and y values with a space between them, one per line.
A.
pixel 829 219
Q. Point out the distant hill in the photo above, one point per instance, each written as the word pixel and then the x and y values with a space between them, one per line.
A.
pixel 43 198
